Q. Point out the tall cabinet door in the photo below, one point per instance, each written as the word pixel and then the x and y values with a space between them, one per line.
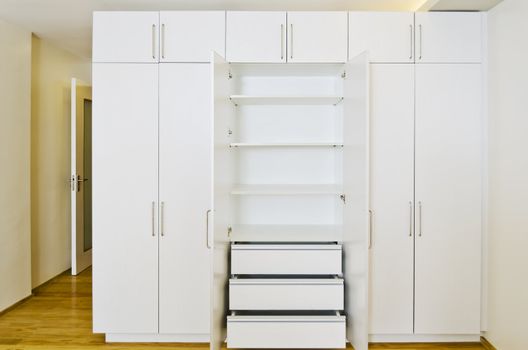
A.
pixel 256 36
pixel 448 195
pixel 125 197
pixel 391 198
pixel 185 198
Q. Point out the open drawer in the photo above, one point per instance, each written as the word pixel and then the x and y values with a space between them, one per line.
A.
pixel 286 294
pixel 286 259
pixel 310 331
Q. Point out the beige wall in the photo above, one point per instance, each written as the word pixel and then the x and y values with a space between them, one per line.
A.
pixel 508 176
pixel 15 78
pixel 53 69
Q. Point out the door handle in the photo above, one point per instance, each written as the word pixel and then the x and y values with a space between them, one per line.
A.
pixel 291 40
pixel 153 218
pixel 371 213
pixel 420 30
pixel 79 181
pixel 411 43
pixel 420 219
pixel 282 41
pixel 207 229
pixel 153 41
pixel 410 218
pixel 163 40
pixel 162 211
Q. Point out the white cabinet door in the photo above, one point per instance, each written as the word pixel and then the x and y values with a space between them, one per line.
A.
pixel 185 198
pixel 190 36
pixel 256 36
pixel 387 36
pixel 391 198
pixel 317 36
pixel 128 37
pixel 125 197
pixel 448 37
pixel 448 197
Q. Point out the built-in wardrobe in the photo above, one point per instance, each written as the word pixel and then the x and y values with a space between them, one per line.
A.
pixel 287 179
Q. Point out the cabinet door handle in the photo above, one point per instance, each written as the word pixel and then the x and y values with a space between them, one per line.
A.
pixel 282 41
pixel 153 41
pixel 207 228
pixel 420 219
pixel 162 221
pixel 153 218
pixel 163 40
pixel 291 40
pixel 420 30
pixel 371 213
pixel 411 42
pixel 410 219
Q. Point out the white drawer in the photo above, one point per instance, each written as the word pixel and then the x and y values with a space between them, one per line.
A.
pixel 286 294
pixel 286 332
pixel 286 259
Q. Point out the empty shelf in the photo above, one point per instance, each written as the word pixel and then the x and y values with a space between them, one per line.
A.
pixel 239 100
pixel 286 189
pixel 291 144
pixel 286 233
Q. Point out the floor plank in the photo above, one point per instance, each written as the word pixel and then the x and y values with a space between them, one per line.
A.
pixel 59 317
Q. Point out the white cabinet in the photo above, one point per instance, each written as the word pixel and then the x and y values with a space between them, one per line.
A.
pixel 448 37
pixel 448 197
pixel 317 36
pixel 190 36
pixel 391 198
pixel 387 36
pixel 185 198
pixel 130 37
pixel 125 197
pixel 256 36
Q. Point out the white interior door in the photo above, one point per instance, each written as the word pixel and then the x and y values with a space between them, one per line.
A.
pixel 223 169
pixel 317 36
pixel 356 207
pixel 125 197
pixel 256 36
pixel 449 200
pixel 185 199
pixel 392 198
pixel 81 168
pixel 387 36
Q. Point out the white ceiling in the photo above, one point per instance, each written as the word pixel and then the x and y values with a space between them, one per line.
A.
pixel 68 23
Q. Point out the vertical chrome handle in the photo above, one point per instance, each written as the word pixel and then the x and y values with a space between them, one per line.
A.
pixel 153 41
pixel 291 40
pixel 370 228
pixel 420 30
pixel 162 224
pixel 282 41
pixel 207 228
pixel 420 219
pixel 153 218
pixel 410 218
pixel 411 43
pixel 163 40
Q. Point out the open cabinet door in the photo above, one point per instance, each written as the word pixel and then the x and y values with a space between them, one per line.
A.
pixel 222 114
pixel 356 208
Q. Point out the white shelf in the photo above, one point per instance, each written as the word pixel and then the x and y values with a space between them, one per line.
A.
pixel 287 144
pixel 286 190
pixel 286 233
pixel 240 100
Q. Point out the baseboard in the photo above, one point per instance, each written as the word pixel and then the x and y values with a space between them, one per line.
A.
pixel 44 284
pixel 486 344
pixel 156 338
pixel 424 338
pixel 18 303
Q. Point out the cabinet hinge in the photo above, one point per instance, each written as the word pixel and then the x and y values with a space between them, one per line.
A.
pixel 229 230
pixel 343 198
pixel 343 75
pixel 229 75
pixel 229 132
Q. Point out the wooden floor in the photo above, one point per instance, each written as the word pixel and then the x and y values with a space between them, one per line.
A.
pixel 59 316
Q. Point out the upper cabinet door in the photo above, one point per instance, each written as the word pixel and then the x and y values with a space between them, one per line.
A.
pixel 256 37
pixel 190 36
pixel 448 37
pixel 127 37
pixel 387 36
pixel 317 36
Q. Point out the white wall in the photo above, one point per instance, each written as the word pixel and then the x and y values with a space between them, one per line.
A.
pixel 15 80
pixel 53 69
pixel 508 176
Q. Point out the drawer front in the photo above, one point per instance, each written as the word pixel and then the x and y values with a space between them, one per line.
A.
pixel 266 332
pixel 298 294
pixel 286 260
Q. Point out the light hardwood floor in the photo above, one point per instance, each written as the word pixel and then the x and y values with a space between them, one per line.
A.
pixel 59 316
